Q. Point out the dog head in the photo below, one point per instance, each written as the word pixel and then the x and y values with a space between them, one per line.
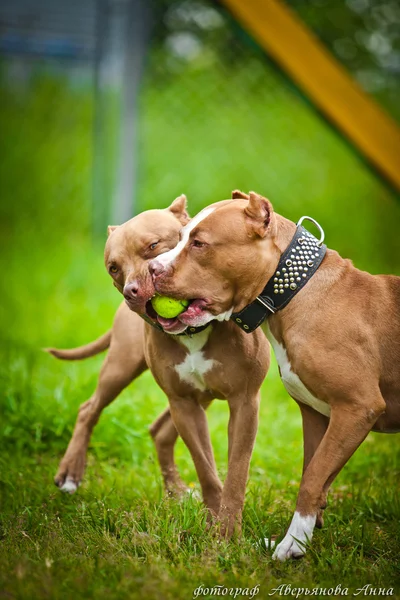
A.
pixel 133 244
pixel 225 256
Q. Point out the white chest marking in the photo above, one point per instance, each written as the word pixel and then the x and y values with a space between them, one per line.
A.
pixel 167 257
pixel 292 382
pixel 195 366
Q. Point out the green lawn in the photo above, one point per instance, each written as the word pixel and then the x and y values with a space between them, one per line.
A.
pixel 118 537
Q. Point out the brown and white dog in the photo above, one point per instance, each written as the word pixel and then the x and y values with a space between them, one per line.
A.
pixel 337 342
pixel 192 369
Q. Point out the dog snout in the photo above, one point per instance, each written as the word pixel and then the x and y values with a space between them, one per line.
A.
pixel 156 268
pixel 130 290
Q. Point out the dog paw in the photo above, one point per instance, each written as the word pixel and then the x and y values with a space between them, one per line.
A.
pixel 228 523
pixel 288 548
pixel 70 471
pixel 67 484
pixel 298 535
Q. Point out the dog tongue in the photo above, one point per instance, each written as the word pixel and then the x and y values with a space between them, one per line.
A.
pixel 194 309
pixel 166 322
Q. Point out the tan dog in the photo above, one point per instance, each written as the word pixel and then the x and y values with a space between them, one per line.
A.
pixel 192 369
pixel 337 341
pixel 125 361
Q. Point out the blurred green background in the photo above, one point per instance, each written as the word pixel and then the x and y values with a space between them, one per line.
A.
pixel 213 114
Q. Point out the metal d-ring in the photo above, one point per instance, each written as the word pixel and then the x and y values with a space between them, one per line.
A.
pixel 321 241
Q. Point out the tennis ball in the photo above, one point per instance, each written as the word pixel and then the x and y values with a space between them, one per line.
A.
pixel 168 307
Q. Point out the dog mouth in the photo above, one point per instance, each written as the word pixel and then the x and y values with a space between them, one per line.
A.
pixel 150 312
pixel 193 315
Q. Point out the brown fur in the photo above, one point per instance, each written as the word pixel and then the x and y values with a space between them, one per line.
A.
pixel 137 346
pixel 341 332
pixel 125 360
pixel 91 349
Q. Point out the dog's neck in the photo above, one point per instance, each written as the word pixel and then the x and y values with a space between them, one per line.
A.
pixel 284 234
pixel 290 259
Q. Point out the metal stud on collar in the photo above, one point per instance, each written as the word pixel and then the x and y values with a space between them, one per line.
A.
pixel 321 231
pixel 296 265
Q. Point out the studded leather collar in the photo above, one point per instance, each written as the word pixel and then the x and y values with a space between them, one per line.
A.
pixel 189 331
pixel 296 266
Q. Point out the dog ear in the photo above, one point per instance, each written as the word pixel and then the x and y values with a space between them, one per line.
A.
pixel 178 209
pixel 238 194
pixel 110 229
pixel 260 215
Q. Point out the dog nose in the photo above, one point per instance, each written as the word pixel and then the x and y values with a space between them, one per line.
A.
pixel 130 290
pixel 155 268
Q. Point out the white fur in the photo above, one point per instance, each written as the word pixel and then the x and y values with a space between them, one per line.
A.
pixel 69 486
pixel 195 365
pixel 301 528
pixel 167 257
pixel 225 316
pixel 292 382
pixel 206 317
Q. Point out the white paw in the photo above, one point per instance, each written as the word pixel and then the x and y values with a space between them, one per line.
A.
pixel 288 548
pixel 69 486
pixel 299 534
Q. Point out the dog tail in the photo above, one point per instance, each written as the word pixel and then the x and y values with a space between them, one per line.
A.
pixel 102 343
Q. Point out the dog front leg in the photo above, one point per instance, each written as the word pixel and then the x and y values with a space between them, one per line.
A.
pixel 349 425
pixel 190 420
pixel 242 431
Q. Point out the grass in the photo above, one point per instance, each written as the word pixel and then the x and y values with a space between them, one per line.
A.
pixel 118 536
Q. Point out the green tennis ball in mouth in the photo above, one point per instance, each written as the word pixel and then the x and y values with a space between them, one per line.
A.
pixel 168 307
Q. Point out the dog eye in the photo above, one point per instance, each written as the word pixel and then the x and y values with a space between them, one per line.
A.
pixel 113 269
pixel 153 245
pixel 198 244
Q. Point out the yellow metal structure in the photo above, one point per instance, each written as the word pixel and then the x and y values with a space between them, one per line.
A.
pixel 316 71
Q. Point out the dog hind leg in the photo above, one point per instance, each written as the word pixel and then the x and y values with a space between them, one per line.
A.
pixel 124 362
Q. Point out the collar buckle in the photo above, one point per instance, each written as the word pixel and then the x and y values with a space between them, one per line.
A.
pixel 265 303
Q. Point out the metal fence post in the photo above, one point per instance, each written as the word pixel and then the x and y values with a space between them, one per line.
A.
pixel 122 39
